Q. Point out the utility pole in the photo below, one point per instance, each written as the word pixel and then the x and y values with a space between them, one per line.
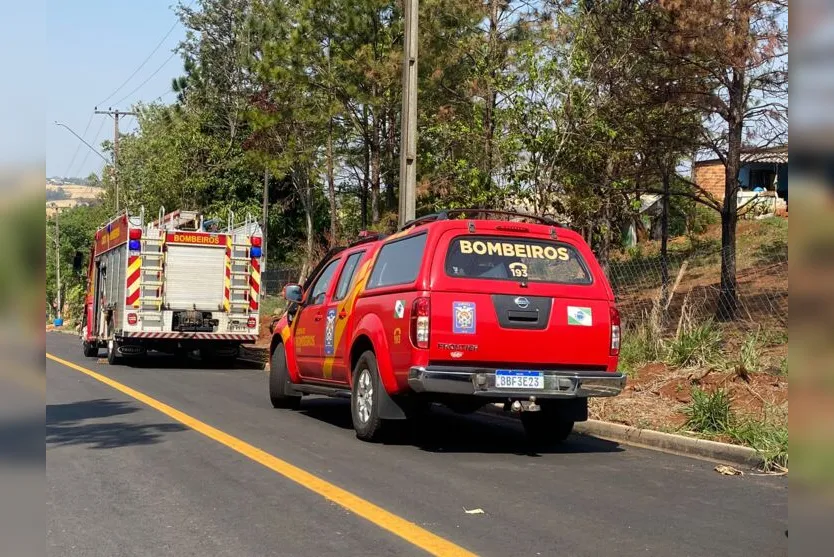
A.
pixel 116 114
pixel 408 134
pixel 57 259
pixel 265 216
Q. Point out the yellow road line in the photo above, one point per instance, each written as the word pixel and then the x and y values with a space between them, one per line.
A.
pixel 398 526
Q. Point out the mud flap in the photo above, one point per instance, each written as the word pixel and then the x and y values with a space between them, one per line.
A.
pixel 571 409
pixel 389 409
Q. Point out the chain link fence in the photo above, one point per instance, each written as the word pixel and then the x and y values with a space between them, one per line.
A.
pixel 691 293
pixel 692 287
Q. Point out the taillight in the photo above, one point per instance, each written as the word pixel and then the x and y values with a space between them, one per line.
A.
pixel 615 331
pixel 255 241
pixel 251 322
pixel 420 310
pixel 132 319
pixel 135 234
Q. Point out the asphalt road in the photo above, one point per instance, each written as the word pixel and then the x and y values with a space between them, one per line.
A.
pixel 124 478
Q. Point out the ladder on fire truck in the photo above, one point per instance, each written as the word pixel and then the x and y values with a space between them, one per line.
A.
pixel 151 272
pixel 239 262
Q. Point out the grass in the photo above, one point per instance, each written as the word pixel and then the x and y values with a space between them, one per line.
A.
pixel 272 305
pixel 640 346
pixel 711 413
pixel 698 345
pixel 783 367
pixel 769 439
pixel 750 358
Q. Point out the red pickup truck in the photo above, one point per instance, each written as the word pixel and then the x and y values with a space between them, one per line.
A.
pixel 453 310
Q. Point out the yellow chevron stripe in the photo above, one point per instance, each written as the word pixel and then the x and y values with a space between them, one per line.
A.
pixel 134 267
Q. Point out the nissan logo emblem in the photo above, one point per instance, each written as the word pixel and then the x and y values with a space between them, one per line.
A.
pixel 522 302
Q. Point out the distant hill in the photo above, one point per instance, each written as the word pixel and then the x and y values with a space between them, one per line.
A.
pixel 70 195
pixel 61 180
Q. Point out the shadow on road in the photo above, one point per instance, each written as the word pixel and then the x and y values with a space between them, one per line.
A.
pixel 21 439
pixel 74 424
pixel 443 431
pixel 158 360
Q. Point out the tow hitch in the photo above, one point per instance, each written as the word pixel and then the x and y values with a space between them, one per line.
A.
pixel 522 405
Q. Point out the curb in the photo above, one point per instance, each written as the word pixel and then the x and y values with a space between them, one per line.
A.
pixel 659 441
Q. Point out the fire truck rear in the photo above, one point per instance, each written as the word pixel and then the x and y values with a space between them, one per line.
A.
pixel 175 285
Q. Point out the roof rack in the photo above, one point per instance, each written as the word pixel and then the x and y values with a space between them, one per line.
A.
pixel 446 214
pixel 372 237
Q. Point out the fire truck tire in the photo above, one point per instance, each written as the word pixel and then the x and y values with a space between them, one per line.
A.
pixel 279 381
pixel 90 349
pixel 544 427
pixel 112 353
pixel 365 399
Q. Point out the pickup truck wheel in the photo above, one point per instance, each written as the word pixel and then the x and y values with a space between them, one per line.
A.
pixel 90 349
pixel 545 427
pixel 279 380
pixel 364 399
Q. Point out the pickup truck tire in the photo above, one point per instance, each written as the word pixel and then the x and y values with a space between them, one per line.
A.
pixel 279 380
pixel 544 426
pixel 90 349
pixel 364 399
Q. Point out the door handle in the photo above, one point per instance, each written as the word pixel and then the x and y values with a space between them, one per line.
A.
pixel 342 314
pixel 317 317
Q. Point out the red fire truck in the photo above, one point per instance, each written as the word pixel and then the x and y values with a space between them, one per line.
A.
pixel 177 284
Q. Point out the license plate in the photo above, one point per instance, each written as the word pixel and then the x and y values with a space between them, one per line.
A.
pixel 511 379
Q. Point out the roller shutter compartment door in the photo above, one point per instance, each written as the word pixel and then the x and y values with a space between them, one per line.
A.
pixel 194 275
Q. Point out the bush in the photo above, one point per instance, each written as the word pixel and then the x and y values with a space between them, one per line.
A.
pixel 709 412
pixel 702 218
pixel 698 345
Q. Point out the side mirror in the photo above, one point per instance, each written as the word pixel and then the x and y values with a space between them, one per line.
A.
pixel 293 293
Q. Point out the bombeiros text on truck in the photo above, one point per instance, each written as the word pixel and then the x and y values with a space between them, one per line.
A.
pixel 462 308
pixel 177 284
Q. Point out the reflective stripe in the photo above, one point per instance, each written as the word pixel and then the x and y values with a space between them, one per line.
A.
pixel 254 283
pixel 134 271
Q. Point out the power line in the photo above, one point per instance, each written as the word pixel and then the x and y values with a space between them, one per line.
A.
pixel 116 114
pixel 78 147
pixel 84 160
pixel 120 101
pixel 142 65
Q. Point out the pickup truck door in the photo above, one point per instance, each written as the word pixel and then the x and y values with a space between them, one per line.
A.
pixel 310 325
pixel 338 322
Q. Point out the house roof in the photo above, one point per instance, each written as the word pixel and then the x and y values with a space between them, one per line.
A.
pixel 776 155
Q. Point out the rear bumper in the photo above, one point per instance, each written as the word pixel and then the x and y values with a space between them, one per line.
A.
pixel 174 335
pixel 481 382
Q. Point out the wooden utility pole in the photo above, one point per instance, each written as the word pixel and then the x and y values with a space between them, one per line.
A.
pixel 265 216
pixel 57 241
pixel 116 114
pixel 408 136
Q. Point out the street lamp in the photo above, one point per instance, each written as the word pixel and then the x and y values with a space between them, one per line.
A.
pixel 81 139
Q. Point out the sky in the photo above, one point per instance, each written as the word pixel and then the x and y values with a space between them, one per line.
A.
pixel 21 104
pixel 92 48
